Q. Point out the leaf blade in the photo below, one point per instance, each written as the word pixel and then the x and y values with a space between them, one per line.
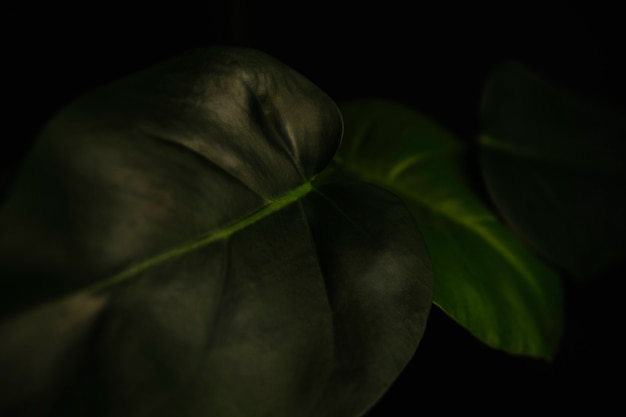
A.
pixel 193 179
pixel 473 255
pixel 563 156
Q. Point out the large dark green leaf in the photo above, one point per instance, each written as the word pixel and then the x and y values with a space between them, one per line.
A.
pixel 485 278
pixel 554 165
pixel 165 251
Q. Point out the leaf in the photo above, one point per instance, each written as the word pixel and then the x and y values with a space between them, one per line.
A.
pixel 485 278
pixel 554 166
pixel 166 251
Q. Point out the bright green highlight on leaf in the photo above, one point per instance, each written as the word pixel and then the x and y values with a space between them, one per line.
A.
pixel 279 203
pixel 485 278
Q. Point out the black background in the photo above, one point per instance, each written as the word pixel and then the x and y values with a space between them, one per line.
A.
pixel 433 56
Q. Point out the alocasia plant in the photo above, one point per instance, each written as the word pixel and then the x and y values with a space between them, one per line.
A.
pixel 167 250
pixel 193 240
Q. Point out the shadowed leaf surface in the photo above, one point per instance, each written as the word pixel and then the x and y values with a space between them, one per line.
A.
pixel 166 251
pixel 554 166
pixel 485 278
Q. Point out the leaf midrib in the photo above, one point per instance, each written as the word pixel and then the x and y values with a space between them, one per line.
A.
pixel 590 164
pixel 223 233
pixel 475 227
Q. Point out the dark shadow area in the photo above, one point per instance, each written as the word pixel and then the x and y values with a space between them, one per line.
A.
pixel 454 372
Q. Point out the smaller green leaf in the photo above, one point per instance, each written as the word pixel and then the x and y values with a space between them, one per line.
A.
pixel 485 278
pixel 554 166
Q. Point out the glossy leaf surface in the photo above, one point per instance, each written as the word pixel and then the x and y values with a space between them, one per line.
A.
pixel 554 166
pixel 166 252
pixel 485 278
